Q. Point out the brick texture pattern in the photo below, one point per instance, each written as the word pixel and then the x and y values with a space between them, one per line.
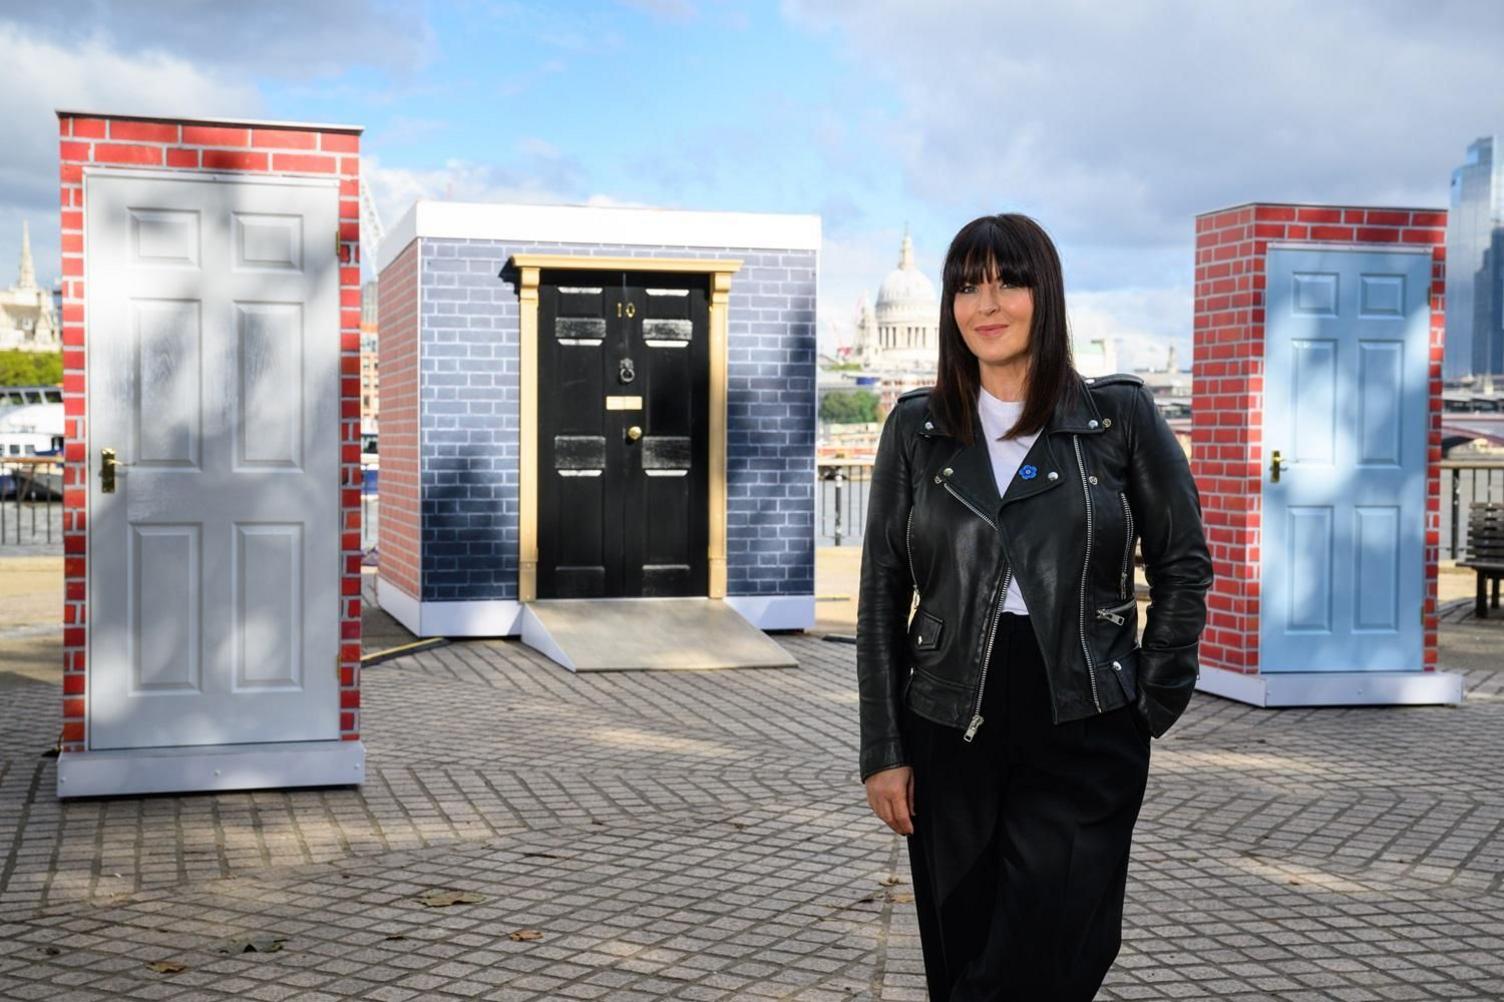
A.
pixel 397 322
pixel 1228 385
pixel 226 148
pixel 467 405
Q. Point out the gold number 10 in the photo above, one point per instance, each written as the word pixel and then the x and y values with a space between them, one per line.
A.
pixel 631 310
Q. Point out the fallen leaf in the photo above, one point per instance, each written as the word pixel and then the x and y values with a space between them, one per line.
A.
pixel 522 934
pixel 167 966
pixel 890 880
pixel 255 944
pixel 443 899
pixel 902 898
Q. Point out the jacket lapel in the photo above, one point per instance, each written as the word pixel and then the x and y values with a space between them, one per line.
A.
pixel 971 473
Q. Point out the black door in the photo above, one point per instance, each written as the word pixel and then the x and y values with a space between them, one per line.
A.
pixel 623 410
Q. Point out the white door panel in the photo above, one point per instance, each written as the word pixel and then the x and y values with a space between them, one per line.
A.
pixel 213 361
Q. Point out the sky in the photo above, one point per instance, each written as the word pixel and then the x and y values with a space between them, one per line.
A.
pixel 1111 124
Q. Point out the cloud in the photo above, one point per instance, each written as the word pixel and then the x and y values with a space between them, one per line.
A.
pixel 39 76
pixel 668 10
pixel 1115 125
pixel 292 39
pixel 537 173
pixel 1143 323
pixel 852 265
pixel 166 57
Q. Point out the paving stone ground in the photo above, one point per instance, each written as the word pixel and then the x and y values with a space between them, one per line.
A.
pixel 685 835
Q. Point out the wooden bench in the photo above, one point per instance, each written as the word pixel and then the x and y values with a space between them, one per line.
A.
pixel 1485 548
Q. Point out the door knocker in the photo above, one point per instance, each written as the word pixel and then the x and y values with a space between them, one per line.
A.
pixel 626 371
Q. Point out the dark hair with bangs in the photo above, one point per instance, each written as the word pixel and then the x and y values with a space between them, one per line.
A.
pixel 1018 247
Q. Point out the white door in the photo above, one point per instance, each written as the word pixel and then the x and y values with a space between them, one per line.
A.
pixel 213 372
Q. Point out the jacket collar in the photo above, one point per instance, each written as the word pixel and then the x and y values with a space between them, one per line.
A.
pixel 970 466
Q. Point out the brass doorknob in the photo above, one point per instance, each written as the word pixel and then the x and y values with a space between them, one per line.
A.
pixel 634 433
pixel 1275 465
pixel 107 466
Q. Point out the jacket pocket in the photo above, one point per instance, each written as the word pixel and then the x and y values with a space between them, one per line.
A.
pixel 1126 572
pixel 925 630
pixel 1125 670
pixel 1117 613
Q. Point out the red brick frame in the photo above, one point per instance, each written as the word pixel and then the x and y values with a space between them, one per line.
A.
pixel 1228 390
pixel 224 147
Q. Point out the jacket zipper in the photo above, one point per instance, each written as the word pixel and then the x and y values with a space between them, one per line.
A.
pixel 1114 613
pixel 997 611
pixel 973 507
pixel 1091 672
pixel 908 545
pixel 1127 548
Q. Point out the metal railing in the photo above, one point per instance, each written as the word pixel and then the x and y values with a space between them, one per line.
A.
pixel 30 516
pixel 841 489
pixel 1462 483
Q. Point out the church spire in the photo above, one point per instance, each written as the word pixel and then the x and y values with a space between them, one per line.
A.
pixel 906 252
pixel 28 278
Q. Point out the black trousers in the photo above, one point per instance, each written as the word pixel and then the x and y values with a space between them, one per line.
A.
pixel 1020 847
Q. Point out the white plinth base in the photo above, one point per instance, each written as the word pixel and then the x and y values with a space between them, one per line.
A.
pixel 210 767
pixel 503 617
pixel 1338 688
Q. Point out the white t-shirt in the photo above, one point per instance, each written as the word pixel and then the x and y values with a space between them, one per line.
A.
pixel 1007 455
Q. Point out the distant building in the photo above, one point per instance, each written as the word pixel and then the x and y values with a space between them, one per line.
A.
pixel 370 398
pixel 903 333
pixel 27 318
pixel 1475 264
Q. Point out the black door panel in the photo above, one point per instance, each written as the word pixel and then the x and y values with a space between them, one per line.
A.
pixel 623 489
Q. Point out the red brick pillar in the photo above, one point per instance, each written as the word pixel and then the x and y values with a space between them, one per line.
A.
pixel 1228 386
pixel 199 146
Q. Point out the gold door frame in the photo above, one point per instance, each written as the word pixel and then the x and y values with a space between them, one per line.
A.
pixel 529 268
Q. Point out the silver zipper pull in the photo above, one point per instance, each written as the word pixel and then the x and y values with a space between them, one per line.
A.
pixel 971 729
pixel 1104 614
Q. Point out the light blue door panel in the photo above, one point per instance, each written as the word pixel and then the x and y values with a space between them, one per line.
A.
pixel 1345 403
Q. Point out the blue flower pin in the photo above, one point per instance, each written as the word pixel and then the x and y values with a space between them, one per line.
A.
pixel 1027 472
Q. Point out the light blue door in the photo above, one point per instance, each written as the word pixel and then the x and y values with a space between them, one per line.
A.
pixel 1345 405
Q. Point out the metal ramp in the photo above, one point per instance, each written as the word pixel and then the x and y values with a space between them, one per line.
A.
pixel 626 634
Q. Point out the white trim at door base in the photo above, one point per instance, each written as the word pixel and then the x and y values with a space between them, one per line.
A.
pixel 486 618
pixel 118 772
pixel 1334 688
pixel 400 605
pixel 776 612
pixel 503 617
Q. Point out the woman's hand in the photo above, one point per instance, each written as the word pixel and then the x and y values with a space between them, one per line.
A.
pixel 890 794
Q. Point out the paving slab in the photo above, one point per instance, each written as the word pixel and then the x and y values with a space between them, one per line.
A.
pixel 703 835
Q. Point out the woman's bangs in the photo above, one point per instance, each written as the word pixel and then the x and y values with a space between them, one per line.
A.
pixel 986 248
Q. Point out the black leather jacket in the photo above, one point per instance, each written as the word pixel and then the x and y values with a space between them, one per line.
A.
pixel 1103 471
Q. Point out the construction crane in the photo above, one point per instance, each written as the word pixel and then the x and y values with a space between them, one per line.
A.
pixel 371 230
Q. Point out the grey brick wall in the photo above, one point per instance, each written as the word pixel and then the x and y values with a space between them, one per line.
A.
pixel 468 401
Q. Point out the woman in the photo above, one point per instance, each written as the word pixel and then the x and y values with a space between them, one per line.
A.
pixel 1005 725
